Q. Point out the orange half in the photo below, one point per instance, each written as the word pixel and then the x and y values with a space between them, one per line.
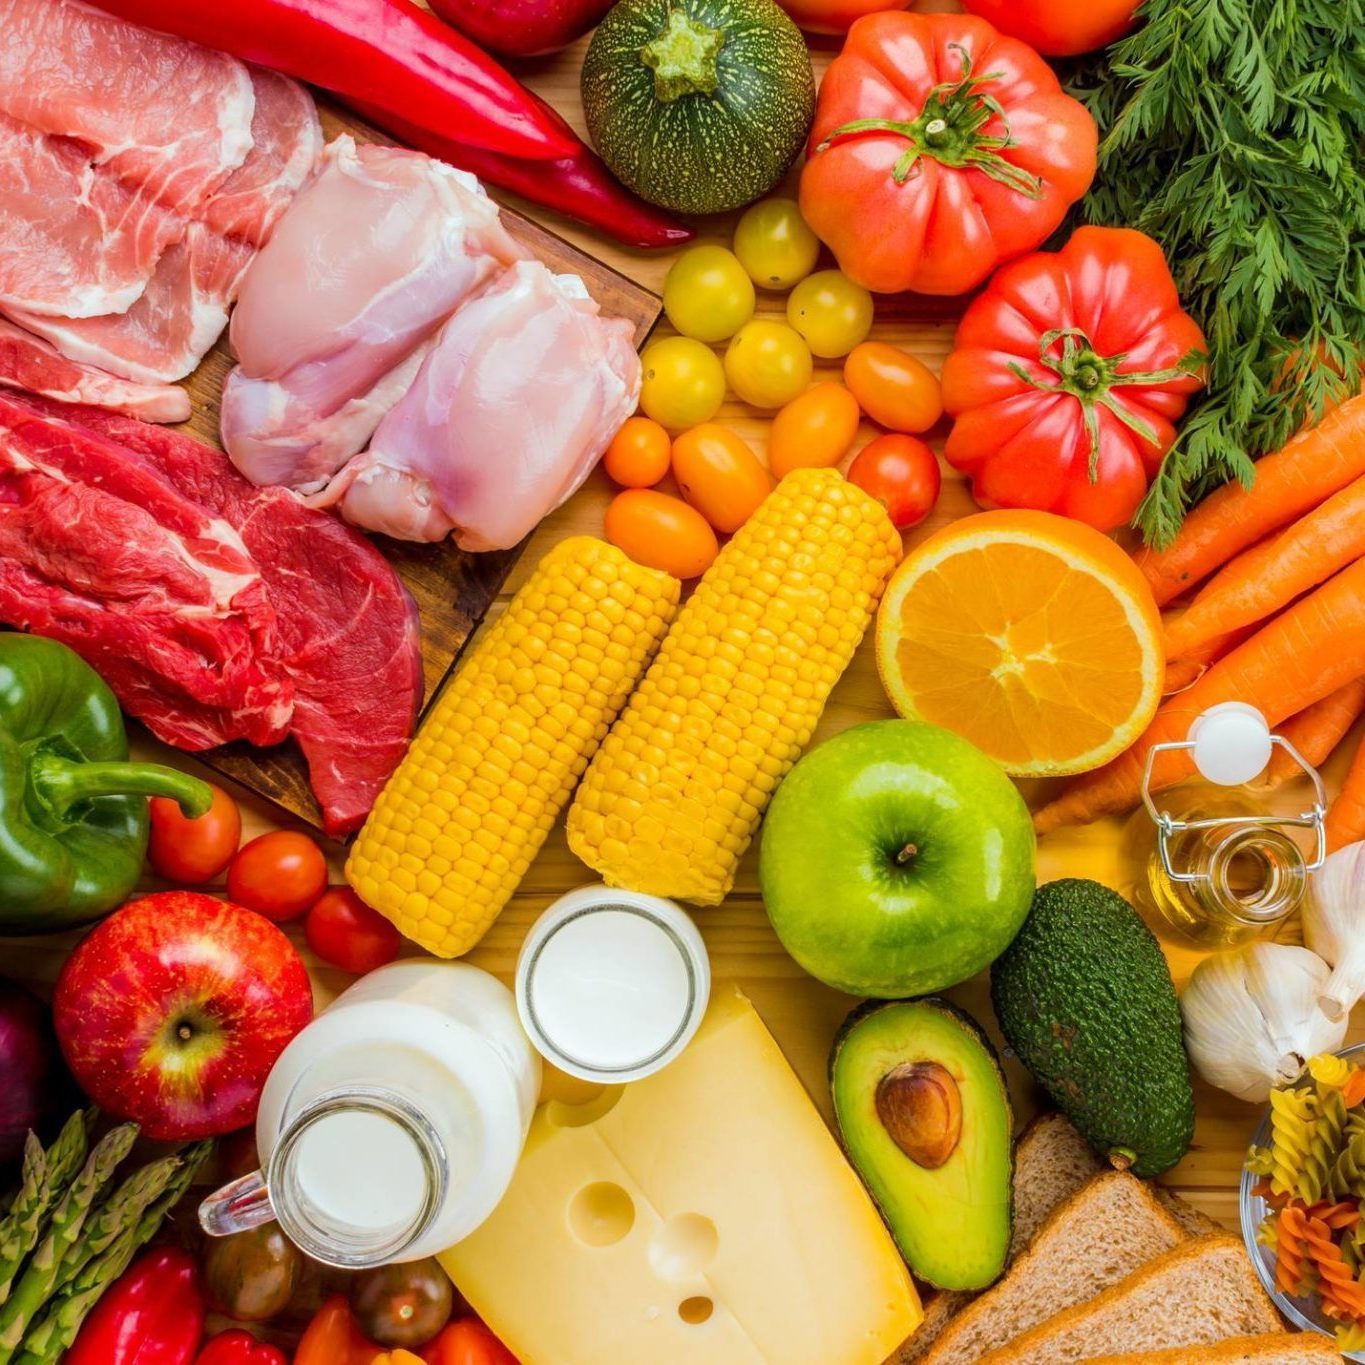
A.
pixel 1031 635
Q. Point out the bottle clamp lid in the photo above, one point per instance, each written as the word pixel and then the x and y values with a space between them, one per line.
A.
pixel 1230 744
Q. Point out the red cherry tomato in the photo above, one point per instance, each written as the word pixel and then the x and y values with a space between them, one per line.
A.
pixel 279 875
pixel 902 473
pixel 193 851
pixel 343 930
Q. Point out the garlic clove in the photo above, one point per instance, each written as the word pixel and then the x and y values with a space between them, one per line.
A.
pixel 1334 927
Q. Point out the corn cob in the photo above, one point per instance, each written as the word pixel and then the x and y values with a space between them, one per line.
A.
pixel 457 825
pixel 672 799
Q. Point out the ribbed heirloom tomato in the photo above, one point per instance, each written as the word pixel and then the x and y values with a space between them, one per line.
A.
pixel 940 148
pixel 1067 376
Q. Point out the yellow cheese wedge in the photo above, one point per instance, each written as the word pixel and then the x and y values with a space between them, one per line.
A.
pixel 703 1216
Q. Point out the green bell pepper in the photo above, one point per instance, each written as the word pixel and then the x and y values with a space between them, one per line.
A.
pixel 73 812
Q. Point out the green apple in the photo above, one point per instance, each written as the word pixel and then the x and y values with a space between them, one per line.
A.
pixel 897 859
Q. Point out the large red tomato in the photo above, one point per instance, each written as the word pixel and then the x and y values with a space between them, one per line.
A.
pixel 1061 28
pixel 1067 376
pixel 940 148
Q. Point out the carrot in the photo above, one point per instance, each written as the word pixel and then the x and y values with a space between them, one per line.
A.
pixel 1316 731
pixel 1313 648
pixel 1312 466
pixel 1189 668
pixel 1273 573
pixel 1346 815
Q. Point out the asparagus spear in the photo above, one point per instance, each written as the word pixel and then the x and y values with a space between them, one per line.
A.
pixel 45 1175
pixel 124 1208
pixel 64 1228
pixel 48 1337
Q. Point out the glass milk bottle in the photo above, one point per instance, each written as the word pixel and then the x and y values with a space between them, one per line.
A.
pixel 1213 867
pixel 390 1127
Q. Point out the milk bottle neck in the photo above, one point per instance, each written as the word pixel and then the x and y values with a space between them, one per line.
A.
pixel 356 1179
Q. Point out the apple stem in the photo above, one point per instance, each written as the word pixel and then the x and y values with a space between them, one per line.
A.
pixel 184 1032
pixel 907 854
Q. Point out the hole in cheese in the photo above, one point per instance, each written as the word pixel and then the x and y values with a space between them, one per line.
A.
pixel 696 1310
pixel 683 1247
pixel 601 1214
pixel 561 1114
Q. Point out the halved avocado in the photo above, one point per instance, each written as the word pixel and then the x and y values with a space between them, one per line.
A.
pixel 925 1118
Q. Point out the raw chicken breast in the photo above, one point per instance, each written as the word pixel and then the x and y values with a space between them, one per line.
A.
pixel 158 113
pixel 375 253
pixel 28 362
pixel 183 309
pixel 518 399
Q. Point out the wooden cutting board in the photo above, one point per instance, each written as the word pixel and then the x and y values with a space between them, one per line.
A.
pixel 452 588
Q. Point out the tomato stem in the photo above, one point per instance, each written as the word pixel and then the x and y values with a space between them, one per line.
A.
pixel 1090 378
pixel 950 129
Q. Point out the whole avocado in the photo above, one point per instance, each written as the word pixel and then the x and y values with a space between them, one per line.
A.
pixel 1085 999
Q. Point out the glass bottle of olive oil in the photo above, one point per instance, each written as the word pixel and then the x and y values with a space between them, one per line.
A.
pixel 1245 877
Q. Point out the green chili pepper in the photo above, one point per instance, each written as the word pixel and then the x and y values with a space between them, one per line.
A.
pixel 73 811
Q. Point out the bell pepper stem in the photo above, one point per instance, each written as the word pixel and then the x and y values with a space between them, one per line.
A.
pixel 61 783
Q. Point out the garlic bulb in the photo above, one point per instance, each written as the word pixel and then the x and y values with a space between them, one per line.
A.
pixel 1334 927
pixel 1252 1017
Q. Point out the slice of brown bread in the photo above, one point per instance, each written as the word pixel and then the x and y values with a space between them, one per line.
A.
pixel 1275 1348
pixel 1195 1223
pixel 1051 1162
pixel 1202 1292
pixel 1109 1228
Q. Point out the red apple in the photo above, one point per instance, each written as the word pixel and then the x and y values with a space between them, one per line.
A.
pixel 522 28
pixel 173 1010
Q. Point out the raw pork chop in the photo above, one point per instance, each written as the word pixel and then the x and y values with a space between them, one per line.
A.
pixel 518 399
pixel 160 596
pixel 28 362
pixel 155 112
pixel 348 629
pixel 183 309
pixel 77 242
pixel 375 253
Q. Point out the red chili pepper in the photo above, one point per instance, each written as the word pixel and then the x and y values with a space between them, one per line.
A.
pixel 239 1348
pixel 579 186
pixel 153 1314
pixel 388 53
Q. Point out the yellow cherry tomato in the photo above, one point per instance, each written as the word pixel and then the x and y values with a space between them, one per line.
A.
pixel 767 363
pixel 661 532
pixel 638 454
pixel 707 294
pixel 896 390
pixel 815 430
pixel 831 312
pixel 684 383
pixel 775 245
pixel 719 475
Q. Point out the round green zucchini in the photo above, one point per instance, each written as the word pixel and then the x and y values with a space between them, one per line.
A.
pixel 698 105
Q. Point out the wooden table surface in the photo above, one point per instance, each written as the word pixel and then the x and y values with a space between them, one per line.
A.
pixel 802 1013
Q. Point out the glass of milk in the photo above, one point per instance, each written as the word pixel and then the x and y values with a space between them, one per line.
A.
pixel 390 1126
pixel 611 985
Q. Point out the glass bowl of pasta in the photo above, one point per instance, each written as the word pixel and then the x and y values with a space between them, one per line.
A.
pixel 1303 1199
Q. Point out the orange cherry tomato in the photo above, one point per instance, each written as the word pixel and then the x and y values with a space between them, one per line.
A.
pixel 897 390
pixel 467 1342
pixel 813 431
pixel 661 532
pixel 638 454
pixel 193 851
pixel 278 875
pixel 719 475
pixel 902 473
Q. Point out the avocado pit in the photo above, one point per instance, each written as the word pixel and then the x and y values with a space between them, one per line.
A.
pixel 920 1106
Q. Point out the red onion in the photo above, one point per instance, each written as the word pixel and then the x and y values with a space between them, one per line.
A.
pixel 32 1078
